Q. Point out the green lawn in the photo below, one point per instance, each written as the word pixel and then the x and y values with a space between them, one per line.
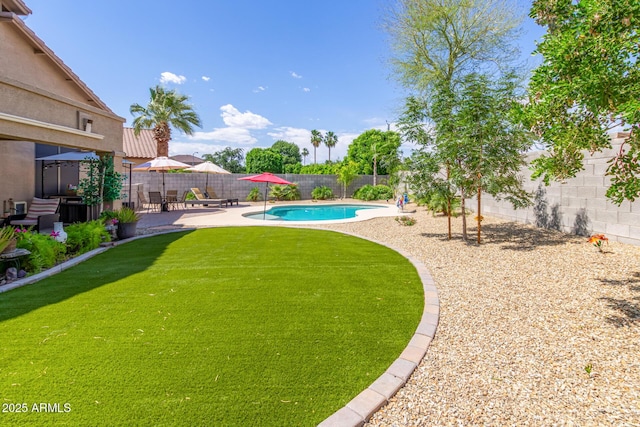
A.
pixel 225 326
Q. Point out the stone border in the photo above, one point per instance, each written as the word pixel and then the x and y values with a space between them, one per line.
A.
pixel 362 407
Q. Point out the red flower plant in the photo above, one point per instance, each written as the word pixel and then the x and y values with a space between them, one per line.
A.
pixel 597 240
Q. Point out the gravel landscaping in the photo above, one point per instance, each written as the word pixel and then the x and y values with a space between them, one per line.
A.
pixel 536 327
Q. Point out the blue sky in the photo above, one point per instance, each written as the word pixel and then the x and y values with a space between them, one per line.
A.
pixel 256 71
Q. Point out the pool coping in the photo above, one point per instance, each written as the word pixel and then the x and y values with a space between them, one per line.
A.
pixel 362 407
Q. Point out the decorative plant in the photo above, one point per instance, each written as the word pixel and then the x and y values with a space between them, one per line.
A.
pixel 127 215
pixel 7 236
pixel 85 236
pixel 46 252
pixel 598 240
pixel 102 183
pixel 322 193
pixel 285 192
pixel 254 195
pixel 405 220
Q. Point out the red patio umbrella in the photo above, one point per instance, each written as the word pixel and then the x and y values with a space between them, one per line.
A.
pixel 268 178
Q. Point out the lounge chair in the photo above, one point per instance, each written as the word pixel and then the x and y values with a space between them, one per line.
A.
pixel 212 194
pixel 41 215
pixel 202 200
pixel 172 199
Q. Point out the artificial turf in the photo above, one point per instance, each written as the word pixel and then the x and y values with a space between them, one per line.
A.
pixel 225 326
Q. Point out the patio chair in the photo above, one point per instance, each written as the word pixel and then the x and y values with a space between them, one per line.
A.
pixel 41 215
pixel 202 200
pixel 142 201
pixel 212 194
pixel 155 200
pixel 172 199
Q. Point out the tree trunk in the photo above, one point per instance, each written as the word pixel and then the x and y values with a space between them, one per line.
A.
pixel 479 214
pixel 448 205
pixel 375 170
pixel 464 218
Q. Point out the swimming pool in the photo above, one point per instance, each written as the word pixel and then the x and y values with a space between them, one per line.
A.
pixel 310 212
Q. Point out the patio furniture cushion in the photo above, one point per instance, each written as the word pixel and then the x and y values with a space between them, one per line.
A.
pixel 39 210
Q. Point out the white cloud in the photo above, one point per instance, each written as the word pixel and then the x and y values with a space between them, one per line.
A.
pixel 296 135
pixel 232 117
pixel 167 77
pixel 260 89
pixel 228 135
pixel 306 89
pixel 295 75
pixel 206 78
pixel 200 148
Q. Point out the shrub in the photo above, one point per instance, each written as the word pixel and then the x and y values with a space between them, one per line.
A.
pixel 45 251
pixel 285 192
pixel 322 193
pixel 370 192
pixel 254 195
pixel 85 236
pixel 437 203
pixel 127 215
pixel 405 220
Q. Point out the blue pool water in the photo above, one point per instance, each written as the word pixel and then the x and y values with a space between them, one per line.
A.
pixel 310 212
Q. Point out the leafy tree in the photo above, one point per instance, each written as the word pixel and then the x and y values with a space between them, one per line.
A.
pixel 316 140
pixel 346 174
pixel 330 140
pixel 231 159
pixel 263 160
pixel 289 151
pixel 587 85
pixel 102 183
pixel 373 151
pixel 482 141
pixel 305 153
pixel 165 109
pixel 320 169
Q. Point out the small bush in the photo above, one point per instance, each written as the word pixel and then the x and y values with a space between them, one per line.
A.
pixel 438 203
pixel 86 236
pixel 285 192
pixel 370 192
pixel 254 195
pixel 406 220
pixel 46 252
pixel 322 193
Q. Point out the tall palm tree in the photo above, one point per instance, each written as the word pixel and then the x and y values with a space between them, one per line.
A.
pixel 305 153
pixel 316 140
pixel 330 140
pixel 165 109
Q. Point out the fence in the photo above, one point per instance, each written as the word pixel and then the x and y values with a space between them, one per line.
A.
pixel 579 205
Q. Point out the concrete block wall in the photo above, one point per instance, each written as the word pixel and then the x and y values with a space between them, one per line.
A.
pixel 578 206
pixel 228 185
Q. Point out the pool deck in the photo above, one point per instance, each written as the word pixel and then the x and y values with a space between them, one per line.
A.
pixel 198 216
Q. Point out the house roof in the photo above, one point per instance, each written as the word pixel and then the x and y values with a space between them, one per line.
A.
pixel 142 146
pixel 16 6
pixel 189 159
pixel 11 9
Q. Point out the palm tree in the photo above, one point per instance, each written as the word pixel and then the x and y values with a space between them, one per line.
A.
pixel 316 140
pixel 330 140
pixel 165 109
pixel 305 153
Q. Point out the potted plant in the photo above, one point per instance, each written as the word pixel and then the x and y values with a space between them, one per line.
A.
pixel 127 222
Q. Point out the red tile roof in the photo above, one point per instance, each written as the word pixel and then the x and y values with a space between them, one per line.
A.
pixel 142 146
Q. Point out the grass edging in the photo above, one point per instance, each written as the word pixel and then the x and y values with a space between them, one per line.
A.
pixel 362 407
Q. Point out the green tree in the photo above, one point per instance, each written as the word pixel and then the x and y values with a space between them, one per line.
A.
pixel 485 153
pixel 231 159
pixel 373 151
pixel 316 140
pixel 290 153
pixel 346 174
pixel 166 109
pixel 330 140
pixel 263 160
pixel 305 153
pixel 587 85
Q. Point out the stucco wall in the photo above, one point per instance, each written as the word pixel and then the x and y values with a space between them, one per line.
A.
pixel 578 206
pixel 16 164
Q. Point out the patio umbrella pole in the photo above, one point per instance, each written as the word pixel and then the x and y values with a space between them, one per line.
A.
pixel 264 211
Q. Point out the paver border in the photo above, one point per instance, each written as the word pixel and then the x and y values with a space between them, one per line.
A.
pixel 362 407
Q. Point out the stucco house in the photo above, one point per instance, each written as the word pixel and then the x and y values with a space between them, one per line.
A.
pixel 44 109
